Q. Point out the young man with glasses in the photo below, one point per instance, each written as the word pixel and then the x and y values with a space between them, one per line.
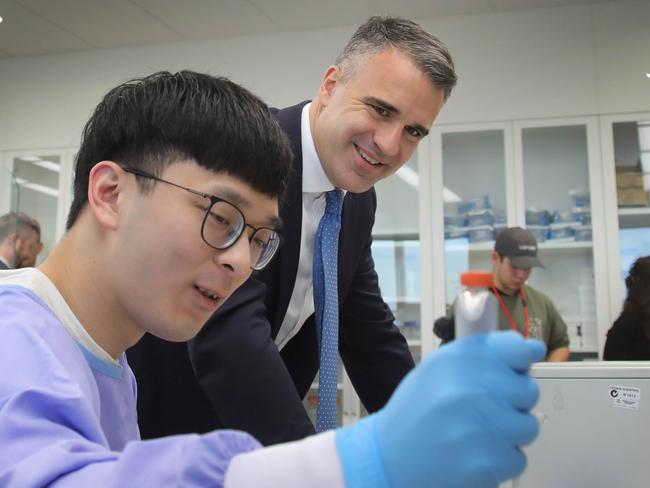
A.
pixel 174 206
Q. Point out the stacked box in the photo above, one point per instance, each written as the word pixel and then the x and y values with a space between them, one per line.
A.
pixel 629 189
pixel 536 216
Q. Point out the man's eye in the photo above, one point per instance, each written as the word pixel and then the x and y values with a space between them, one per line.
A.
pixel 220 219
pixel 260 243
pixel 380 110
pixel 414 132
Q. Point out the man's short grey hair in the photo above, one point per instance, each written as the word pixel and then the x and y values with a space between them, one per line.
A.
pixel 18 223
pixel 428 53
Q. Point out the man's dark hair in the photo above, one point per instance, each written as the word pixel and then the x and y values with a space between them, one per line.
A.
pixel 152 122
pixel 428 53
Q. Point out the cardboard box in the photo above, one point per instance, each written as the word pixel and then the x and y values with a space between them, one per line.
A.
pixel 629 179
pixel 632 197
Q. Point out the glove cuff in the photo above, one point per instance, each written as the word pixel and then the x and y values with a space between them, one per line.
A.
pixel 359 455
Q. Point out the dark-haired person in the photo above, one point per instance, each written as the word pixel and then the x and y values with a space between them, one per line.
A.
pixel 629 337
pixel 20 240
pixel 373 107
pixel 521 307
pixel 174 206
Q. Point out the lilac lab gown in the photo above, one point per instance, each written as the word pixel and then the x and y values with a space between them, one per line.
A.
pixel 68 418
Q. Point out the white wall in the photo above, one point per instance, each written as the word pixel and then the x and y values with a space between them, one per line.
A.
pixel 523 64
pixel 49 98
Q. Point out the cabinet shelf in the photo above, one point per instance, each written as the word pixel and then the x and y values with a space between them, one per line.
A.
pixel 634 210
pixel 403 300
pixel 398 237
pixel 566 245
pixel 546 245
pixel 632 217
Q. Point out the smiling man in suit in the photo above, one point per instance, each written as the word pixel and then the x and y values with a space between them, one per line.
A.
pixel 254 361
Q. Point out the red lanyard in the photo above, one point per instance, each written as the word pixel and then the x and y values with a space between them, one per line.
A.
pixel 503 307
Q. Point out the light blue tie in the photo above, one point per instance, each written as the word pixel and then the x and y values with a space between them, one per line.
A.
pixel 326 308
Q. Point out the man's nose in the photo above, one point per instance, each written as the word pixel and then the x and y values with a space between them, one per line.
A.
pixel 521 273
pixel 388 138
pixel 237 257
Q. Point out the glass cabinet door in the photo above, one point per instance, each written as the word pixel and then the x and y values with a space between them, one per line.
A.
pixel 632 166
pixel 396 249
pixel 557 207
pixel 34 187
pixel 476 200
pixel 626 157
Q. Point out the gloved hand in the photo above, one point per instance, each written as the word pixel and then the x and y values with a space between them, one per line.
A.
pixel 457 420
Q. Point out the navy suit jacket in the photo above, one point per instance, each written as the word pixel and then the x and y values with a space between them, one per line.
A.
pixel 241 380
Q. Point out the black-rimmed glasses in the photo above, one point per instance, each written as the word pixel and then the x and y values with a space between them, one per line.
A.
pixel 223 224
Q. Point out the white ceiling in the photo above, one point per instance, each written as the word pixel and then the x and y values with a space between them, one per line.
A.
pixel 35 27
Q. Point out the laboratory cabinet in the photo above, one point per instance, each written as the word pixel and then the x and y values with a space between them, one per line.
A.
pixel 544 175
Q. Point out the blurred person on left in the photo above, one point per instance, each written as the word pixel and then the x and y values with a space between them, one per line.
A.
pixel 20 240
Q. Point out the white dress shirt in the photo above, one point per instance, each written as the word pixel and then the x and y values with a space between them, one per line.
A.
pixel 5 262
pixel 314 185
pixel 312 462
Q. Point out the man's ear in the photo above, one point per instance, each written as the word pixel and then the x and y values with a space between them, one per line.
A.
pixel 105 185
pixel 331 79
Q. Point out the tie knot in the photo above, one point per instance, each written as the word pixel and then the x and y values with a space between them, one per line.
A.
pixel 334 201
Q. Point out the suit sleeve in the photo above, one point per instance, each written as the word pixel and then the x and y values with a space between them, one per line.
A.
pixel 374 352
pixel 239 368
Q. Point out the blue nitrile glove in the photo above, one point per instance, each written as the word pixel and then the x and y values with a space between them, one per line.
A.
pixel 457 420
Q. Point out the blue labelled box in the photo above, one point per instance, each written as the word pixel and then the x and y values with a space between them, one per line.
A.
pixel 481 233
pixel 561 231
pixel 562 217
pixel 582 233
pixel 539 231
pixel 500 219
pixel 537 217
pixel 452 232
pixel 582 215
pixel 456 220
pixel 580 197
pixel 476 218
pixel 479 203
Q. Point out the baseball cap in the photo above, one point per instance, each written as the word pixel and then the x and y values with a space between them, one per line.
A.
pixel 520 246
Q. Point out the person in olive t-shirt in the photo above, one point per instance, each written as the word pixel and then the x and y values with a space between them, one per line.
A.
pixel 521 306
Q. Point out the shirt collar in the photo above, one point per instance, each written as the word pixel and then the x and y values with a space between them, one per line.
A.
pixel 314 179
pixel 5 262
pixel 504 294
